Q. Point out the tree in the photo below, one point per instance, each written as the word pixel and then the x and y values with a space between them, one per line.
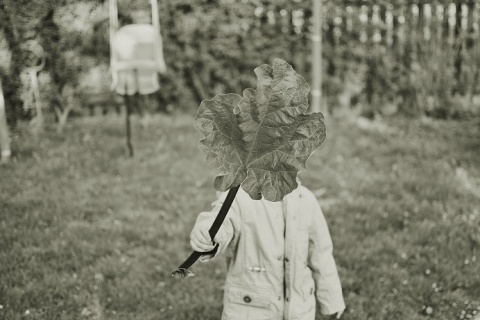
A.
pixel 4 137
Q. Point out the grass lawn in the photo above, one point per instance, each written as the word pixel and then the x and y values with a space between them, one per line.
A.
pixel 87 233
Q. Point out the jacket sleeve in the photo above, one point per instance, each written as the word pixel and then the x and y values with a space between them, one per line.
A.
pixel 227 231
pixel 320 260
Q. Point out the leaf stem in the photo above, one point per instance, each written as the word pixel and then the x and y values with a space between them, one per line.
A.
pixel 182 271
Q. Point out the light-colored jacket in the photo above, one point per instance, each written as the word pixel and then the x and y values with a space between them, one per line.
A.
pixel 279 257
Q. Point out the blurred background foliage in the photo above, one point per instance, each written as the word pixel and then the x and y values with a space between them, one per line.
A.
pixel 412 57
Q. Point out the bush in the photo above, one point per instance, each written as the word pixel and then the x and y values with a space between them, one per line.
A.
pixel 212 47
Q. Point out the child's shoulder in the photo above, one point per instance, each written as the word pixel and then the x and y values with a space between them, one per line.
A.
pixel 305 193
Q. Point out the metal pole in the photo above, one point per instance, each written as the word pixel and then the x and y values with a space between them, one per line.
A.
pixel 317 57
pixel 128 109
pixel 129 131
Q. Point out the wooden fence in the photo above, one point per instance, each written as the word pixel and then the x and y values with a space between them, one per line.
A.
pixel 414 34
pixel 384 23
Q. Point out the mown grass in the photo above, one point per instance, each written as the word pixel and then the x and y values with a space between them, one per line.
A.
pixel 87 233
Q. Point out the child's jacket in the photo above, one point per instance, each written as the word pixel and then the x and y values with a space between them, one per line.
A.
pixel 279 257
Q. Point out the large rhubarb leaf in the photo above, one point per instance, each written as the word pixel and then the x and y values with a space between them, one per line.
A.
pixel 263 139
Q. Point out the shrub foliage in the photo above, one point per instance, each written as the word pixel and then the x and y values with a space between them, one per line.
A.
pixel 420 58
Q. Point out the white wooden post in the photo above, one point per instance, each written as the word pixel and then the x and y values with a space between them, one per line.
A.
pixel 317 57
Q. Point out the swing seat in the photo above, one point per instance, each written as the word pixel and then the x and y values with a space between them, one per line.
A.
pixel 137 60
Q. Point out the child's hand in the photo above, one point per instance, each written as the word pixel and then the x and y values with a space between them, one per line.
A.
pixel 200 239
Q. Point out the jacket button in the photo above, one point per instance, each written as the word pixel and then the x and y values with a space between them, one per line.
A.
pixel 286 259
pixel 287 298
pixel 280 258
pixel 247 299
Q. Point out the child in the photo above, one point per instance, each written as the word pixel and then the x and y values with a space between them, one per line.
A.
pixel 279 257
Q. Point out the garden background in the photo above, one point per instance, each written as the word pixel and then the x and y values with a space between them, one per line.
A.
pixel 87 232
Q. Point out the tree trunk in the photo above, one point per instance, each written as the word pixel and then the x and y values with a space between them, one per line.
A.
pixel 472 48
pixel 446 25
pixel 4 138
pixel 383 25
pixel 396 30
pixel 421 40
pixel 330 39
pixel 460 87
pixel 12 83
pixel 371 61
pixel 38 120
pixel 408 51
pixel 62 116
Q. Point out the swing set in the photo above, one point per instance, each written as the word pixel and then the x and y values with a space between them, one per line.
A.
pixel 136 59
